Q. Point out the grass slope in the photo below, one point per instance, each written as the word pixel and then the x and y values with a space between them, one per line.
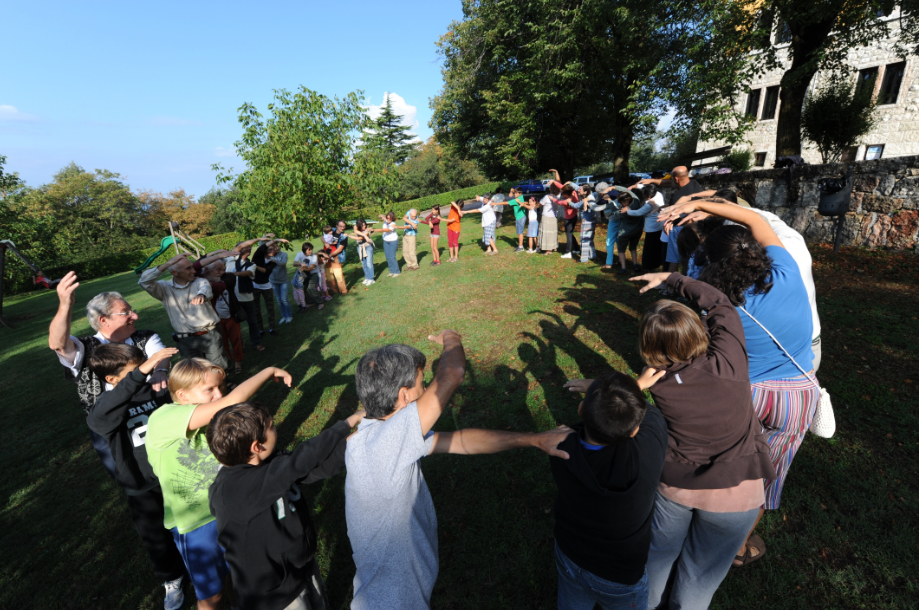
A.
pixel 847 535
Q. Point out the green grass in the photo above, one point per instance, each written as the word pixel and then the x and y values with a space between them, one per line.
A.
pixel 439 200
pixel 847 535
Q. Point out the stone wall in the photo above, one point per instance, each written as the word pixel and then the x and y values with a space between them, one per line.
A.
pixel 883 212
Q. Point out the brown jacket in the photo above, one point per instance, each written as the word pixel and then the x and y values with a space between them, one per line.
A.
pixel 715 440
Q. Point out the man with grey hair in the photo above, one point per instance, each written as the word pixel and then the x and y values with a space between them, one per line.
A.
pixel 187 300
pixel 391 521
pixel 113 320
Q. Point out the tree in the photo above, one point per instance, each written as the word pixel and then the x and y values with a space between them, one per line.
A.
pixel 664 151
pixel 820 36
pixel 388 135
pixel 433 169
pixel 837 115
pixel 193 217
pixel 303 167
pixel 227 217
pixel 537 84
pixel 8 181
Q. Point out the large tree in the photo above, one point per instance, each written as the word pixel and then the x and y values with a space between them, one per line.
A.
pixel 820 36
pixel 540 84
pixel 388 135
pixel 302 164
pixel 433 169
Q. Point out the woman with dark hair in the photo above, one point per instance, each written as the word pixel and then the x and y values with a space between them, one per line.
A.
pixel 364 241
pixel 390 242
pixel 652 255
pixel 548 225
pixel 689 243
pixel 630 229
pixel 569 201
pixel 750 265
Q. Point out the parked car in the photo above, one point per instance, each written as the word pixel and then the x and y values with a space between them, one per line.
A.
pixel 582 180
pixel 531 187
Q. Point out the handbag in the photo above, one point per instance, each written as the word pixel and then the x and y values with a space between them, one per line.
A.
pixel 824 422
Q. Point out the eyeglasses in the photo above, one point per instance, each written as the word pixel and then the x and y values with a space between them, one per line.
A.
pixel 123 313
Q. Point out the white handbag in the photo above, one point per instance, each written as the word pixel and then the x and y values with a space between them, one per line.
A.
pixel 824 422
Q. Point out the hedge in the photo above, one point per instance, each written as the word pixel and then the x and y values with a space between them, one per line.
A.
pixel 426 203
pixel 18 277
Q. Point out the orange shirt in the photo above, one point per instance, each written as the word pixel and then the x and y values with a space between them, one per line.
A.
pixel 453 220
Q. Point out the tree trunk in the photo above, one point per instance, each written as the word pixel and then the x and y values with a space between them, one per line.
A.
pixel 793 91
pixel 622 150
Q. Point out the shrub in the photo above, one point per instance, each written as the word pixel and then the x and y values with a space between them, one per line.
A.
pixel 837 116
pixel 739 160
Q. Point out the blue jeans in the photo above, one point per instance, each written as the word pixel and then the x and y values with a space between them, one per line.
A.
pixel 611 230
pixel 389 248
pixel 698 546
pixel 367 263
pixel 280 295
pixel 578 589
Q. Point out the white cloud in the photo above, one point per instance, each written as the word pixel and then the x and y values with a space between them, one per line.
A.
pixel 11 113
pixel 165 121
pixel 220 151
pixel 408 112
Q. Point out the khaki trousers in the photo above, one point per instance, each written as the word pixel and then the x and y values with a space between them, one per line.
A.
pixel 408 251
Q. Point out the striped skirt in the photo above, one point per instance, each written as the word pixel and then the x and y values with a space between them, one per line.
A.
pixel 786 408
pixel 548 233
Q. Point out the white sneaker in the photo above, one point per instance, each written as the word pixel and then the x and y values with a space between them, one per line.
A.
pixel 566 255
pixel 175 598
pixel 369 282
pixel 364 282
pixel 531 251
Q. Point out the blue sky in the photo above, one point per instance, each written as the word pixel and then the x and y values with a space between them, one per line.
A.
pixel 150 90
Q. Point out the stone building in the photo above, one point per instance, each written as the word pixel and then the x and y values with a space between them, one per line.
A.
pixel 897 88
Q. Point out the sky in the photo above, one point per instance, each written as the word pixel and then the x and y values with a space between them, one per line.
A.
pixel 151 91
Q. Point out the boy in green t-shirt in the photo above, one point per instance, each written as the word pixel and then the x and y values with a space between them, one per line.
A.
pixel 179 455
pixel 520 216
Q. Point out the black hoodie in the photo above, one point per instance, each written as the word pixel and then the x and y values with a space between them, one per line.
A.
pixel 263 520
pixel 606 500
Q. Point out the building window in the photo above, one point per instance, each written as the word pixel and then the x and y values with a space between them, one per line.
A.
pixel 866 78
pixel 770 103
pixel 874 151
pixel 753 103
pixel 890 86
pixel 759 160
pixel 782 33
pixel 849 154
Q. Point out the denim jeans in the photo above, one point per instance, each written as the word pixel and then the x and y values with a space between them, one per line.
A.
pixel 578 589
pixel 367 263
pixel 389 248
pixel 698 546
pixel 280 295
pixel 611 230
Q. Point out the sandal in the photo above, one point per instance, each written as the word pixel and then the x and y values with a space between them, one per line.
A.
pixel 238 370
pixel 260 348
pixel 756 543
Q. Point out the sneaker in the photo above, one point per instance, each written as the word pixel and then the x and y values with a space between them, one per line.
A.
pixel 623 271
pixel 272 331
pixel 531 251
pixel 519 249
pixel 566 255
pixel 327 298
pixel 391 274
pixel 175 598
pixel 369 282
pixel 638 269
pixel 396 274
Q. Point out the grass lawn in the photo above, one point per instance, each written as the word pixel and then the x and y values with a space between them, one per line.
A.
pixel 847 535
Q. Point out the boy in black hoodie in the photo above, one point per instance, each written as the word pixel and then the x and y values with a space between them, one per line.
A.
pixel 263 520
pixel 120 417
pixel 606 494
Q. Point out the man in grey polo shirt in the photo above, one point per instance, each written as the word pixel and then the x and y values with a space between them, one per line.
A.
pixel 187 300
pixel 391 520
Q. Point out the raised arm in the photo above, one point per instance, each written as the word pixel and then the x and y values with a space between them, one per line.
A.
pixel 449 376
pixel 214 256
pixel 759 226
pixel 59 332
pixel 148 279
pixel 204 413
pixel 251 242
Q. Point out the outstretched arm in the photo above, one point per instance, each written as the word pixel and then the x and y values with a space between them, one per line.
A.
pixel 203 414
pixel 759 226
pixel 472 441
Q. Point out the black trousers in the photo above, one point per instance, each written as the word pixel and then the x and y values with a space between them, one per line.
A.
pixel 651 255
pixel 147 514
pixel 570 224
pixel 255 330
pixel 268 297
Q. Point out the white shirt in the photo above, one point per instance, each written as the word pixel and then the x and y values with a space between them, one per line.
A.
pixel 223 305
pixel 233 266
pixel 177 301
pixel 392 235
pixel 488 215
pixel 547 211
pixel 153 345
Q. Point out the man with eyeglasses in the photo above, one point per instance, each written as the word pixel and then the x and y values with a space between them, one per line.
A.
pixel 113 320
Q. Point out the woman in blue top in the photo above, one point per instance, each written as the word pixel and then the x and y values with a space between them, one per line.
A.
pixel 751 266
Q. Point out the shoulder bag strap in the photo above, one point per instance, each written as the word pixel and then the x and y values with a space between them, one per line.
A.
pixel 806 374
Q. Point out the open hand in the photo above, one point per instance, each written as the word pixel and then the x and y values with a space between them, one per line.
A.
pixel 549 441
pixel 282 375
pixel 439 338
pixel 649 377
pixel 164 354
pixel 654 280
pixel 199 300
pixel 66 289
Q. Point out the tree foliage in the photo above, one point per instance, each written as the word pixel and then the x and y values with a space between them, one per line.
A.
pixel 433 169
pixel 663 150
pixel 193 217
pixel 227 216
pixel 837 116
pixel 302 165
pixel 388 135
pixel 537 84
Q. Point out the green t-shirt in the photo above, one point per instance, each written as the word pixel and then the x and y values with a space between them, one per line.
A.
pixel 184 465
pixel 519 212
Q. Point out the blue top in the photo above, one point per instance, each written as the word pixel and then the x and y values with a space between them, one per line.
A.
pixel 786 312
pixel 589 446
pixel 408 221
pixel 650 211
